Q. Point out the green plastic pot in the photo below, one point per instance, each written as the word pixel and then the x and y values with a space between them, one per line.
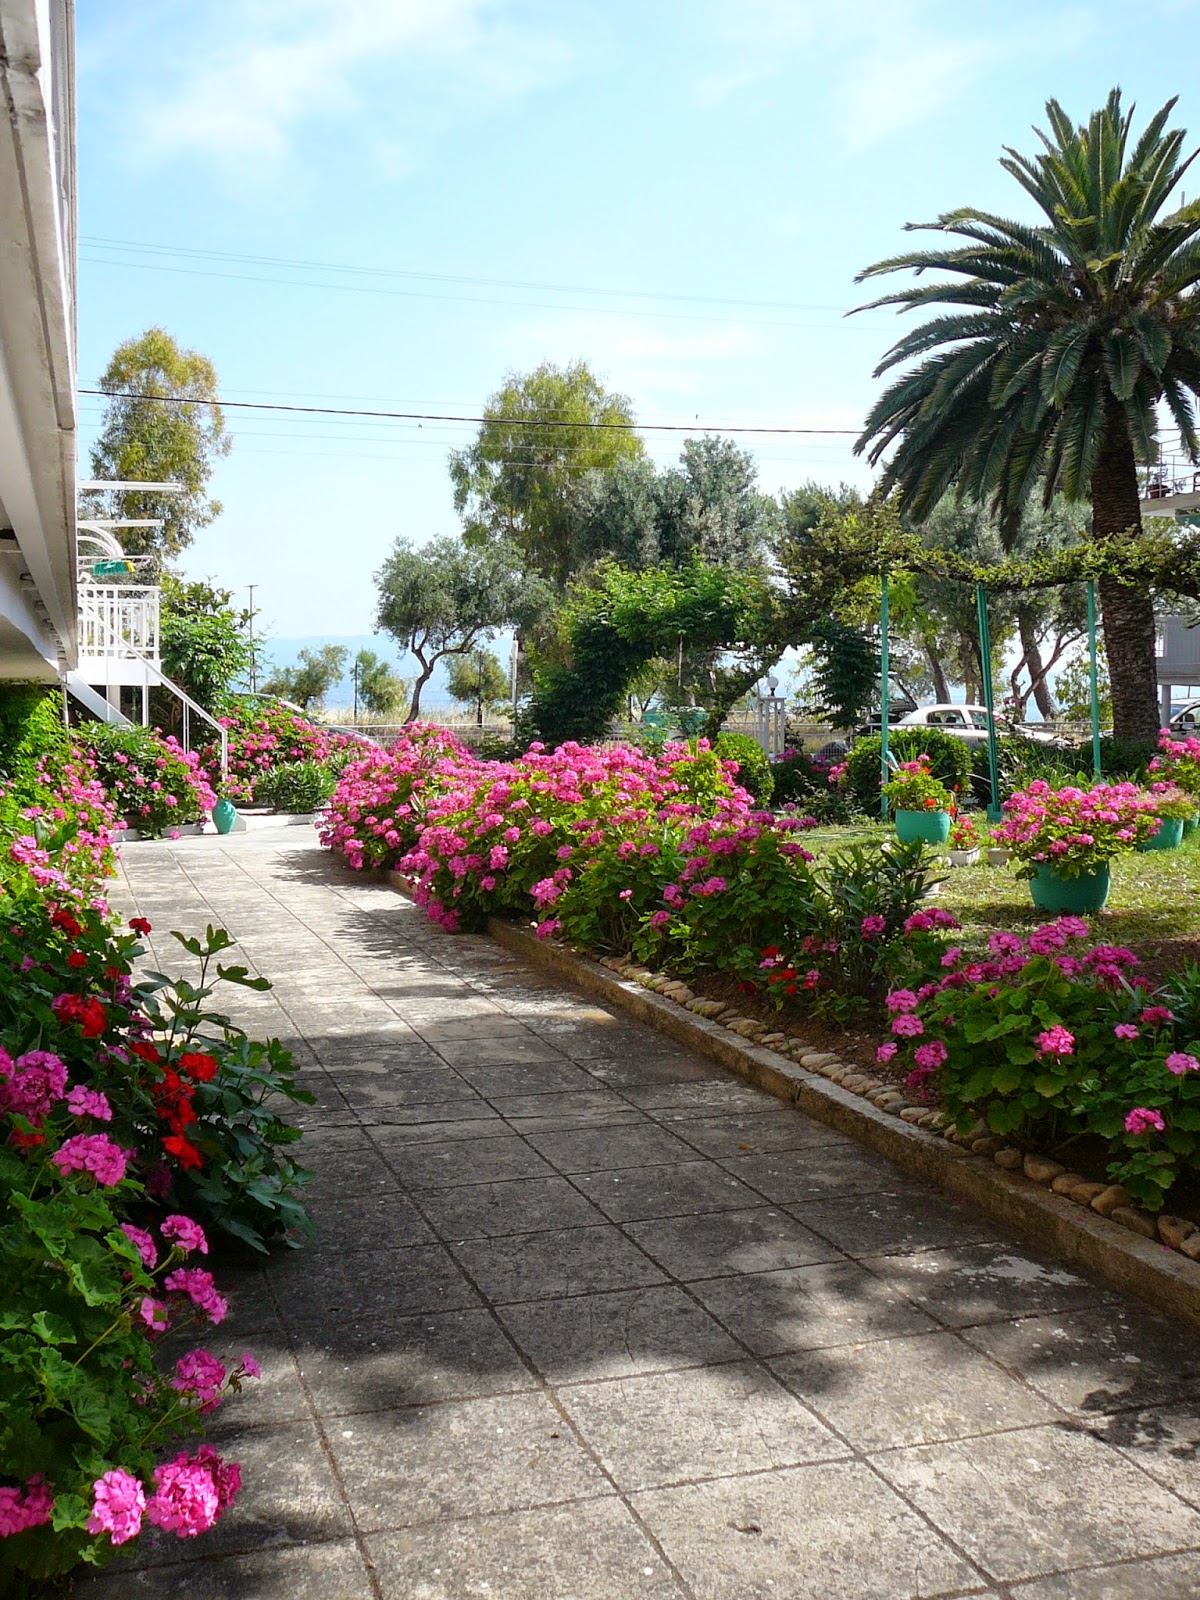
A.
pixel 1076 897
pixel 224 815
pixel 1168 837
pixel 927 827
pixel 1190 824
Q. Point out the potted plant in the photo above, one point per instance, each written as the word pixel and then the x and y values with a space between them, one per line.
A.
pixel 964 843
pixel 1174 808
pixel 1178 763
pixel 921 802
pixel 1062 840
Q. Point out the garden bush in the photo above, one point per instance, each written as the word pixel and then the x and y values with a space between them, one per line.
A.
pixel 134 1120
pixel 949 761
pixel 1053 1039
pixel 152 781
pixel 299 787
pixel 619 850
pixel 266 737
pixel 753 769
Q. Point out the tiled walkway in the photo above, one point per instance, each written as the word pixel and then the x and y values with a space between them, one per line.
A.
pixel 589 1319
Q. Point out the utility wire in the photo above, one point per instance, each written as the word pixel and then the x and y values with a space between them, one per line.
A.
pixel 434 416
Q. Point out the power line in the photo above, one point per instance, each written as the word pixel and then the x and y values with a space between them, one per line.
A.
pixel 147 248
pixel 434 416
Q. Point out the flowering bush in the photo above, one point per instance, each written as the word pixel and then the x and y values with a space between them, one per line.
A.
pixel 153 783
pixel 964 835
pixel 264 737
pixel 616 849
pixel 914 788
pixel 1172 801
pixel 1178 762
pixel 1051 1038
pixel 1074 830
pixel 948 758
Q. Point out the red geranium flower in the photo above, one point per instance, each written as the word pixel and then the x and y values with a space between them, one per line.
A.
pixel 89 1014
pixel 68 924
pixel 186 1154
pixel 77 959
pixel 200 1066
pixel 145 1051
pixel 139 925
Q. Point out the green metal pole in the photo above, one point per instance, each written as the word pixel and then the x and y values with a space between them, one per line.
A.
pixel 1093 687
pixel 885 696
pixel 985 661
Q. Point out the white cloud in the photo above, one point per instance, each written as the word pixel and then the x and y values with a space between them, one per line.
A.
pixel 885 66
pixel 250 76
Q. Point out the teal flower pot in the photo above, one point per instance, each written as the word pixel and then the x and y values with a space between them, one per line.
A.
pixel 1190 825
pixel 1168 837
pixel 926 827
pixel 1070 896
pixel 224 815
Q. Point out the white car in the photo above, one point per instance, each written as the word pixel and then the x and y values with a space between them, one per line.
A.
pixel 971 724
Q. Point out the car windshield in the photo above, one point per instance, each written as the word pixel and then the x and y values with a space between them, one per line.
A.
pixel 979 719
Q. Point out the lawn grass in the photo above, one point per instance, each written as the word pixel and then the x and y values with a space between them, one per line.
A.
pixel 1154 905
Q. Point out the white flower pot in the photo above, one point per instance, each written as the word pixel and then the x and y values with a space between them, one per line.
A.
pixel 997 857
pixel 963 858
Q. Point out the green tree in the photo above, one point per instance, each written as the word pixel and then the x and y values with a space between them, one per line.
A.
pixel 1061 340
pixel 378 685
pixel 1073 689
pixel 148 436
pixel 478 680
pixel 446 598
pixel 708 507
pixel 204 639
pixel 540 434
pixel 310 680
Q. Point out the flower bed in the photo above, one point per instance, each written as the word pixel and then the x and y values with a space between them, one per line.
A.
pixel 267 740
pixel 153 783
pixel 134 1127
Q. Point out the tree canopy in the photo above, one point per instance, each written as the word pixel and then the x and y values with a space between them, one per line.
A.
pixel 446 597
pixel 541 433
pixel 379 686
pixel 1062 338
pixel 308 682
pixel 148 435
pixel 204 639
pixel 480 681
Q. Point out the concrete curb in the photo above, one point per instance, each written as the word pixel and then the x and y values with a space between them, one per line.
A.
pixel 1145 1268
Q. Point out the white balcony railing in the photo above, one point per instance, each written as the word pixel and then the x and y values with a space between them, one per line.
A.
pixel 115 619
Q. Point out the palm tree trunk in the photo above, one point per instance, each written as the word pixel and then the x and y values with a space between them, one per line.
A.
pixel 1128 610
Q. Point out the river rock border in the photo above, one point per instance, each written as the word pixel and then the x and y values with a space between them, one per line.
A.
pixel 1093 1226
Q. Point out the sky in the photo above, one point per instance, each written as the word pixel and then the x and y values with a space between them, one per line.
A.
pixel 392 204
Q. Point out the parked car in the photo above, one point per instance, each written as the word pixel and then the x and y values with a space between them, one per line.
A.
pixel 971 724
pixel 1186 721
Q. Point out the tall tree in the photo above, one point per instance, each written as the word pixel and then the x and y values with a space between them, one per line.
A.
pixel 446 598
pixel 162 423
pixel 308 682
pixel 540 434
pixel 1062 338
pixel 478 680
pixel 709 506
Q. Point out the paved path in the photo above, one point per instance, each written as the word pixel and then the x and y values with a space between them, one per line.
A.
pixel 590 1319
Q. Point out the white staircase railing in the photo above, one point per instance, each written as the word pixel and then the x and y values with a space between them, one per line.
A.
pixel 114 645
pixel 116 618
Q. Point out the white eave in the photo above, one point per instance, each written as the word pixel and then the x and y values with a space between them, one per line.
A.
pixel 37 309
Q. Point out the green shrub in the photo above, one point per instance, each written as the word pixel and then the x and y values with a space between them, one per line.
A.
pixel 304 786
pixel 754 770
pixel 31 728
pixel 949 761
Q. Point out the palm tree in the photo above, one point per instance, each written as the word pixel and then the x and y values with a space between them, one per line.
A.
pixel 1063 339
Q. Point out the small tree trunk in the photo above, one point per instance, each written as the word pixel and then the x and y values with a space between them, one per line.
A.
pixel 419 682
pixel 1042 697
pixel 941 686
pixel 1128 610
